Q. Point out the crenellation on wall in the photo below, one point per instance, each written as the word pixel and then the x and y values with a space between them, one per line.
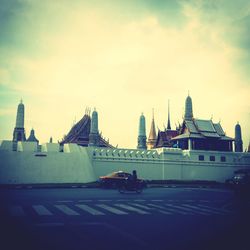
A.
pixel 125 154
pixel 6 145
pixel 50 147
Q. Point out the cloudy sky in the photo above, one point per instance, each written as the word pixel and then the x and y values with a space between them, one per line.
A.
pixel 124 58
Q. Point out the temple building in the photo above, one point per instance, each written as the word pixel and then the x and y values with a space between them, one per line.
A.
pixel 85 132
pixel 198 134
pixel 163 138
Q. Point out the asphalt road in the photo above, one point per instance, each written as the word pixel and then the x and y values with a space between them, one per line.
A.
pixel 159 218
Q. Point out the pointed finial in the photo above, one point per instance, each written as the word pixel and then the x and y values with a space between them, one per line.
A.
pixel 168 125
pixel 21 101
pixel 188 92
pixel 153 113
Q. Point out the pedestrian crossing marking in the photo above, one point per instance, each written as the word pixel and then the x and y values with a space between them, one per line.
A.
pixel 65 201
pixel 41 210
pixel 89 209
pixel 66 210
pixel 122 209
pixel 16 211
pixel 203 209
pixel 111 209
pixel 150 208
pixel 133 209
pixel 141 206
pixel 190 211
pixel 169 210
pixel 221 210
pixel 168 207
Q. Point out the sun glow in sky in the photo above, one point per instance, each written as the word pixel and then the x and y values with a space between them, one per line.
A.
pixel 123 58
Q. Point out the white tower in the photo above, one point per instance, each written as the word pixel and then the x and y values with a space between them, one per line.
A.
pixel 94 137
pixel 19 132
pixel 142 133
pixel 188 109
pixel 238 143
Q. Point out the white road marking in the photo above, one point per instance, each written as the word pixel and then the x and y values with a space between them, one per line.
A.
pixel 85 200
pixel 66 210
pixel 169 210
pixel 141 206
pixel 89 209
pixel 51 224
pixel 111 209
pixel 103 200
pixel 156 200
pixel 130 208
pixel 16 211
pixel 190 211
pixel 175 210
pixel 139 200
pixel 220 210
pixel 150 208
pixel 41 210
pixel 203 209
pixel 64 201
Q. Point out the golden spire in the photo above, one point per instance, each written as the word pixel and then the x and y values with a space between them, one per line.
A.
pixel 152 133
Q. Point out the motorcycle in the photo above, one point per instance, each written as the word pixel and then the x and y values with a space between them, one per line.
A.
pixel 130 186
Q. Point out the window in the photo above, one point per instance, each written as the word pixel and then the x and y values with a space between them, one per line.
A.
pixel 223 158
pixel 201 157
pixel 212 158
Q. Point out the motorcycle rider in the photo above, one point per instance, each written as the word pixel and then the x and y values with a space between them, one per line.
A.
pixel 132 179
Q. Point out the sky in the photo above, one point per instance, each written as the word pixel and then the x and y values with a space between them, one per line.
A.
pixel 123 58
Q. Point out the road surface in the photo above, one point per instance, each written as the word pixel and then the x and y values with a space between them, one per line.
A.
pixel 91 218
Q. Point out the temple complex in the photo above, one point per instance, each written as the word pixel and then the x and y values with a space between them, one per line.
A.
pixel 163 138
pixel 192 134
pixel 198 134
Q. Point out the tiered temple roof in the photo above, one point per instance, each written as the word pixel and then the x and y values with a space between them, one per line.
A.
pixel 79 134
pixel 164 138
pixel 204 135
pixel 201 129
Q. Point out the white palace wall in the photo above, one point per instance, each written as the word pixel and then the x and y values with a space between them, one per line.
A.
pixel 29 166
pixel 49 163
pixel 169 163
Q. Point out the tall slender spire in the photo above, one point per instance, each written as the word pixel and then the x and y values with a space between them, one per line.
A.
pixel 19 132
pixel 142 133
pixel 94 137
pixel 152 135
pixel 168 126
pixel 188 108
pixel 238 139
